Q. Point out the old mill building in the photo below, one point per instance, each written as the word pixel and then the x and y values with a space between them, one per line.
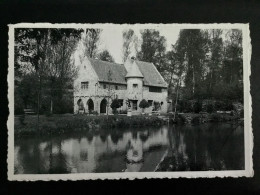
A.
pixel 99 82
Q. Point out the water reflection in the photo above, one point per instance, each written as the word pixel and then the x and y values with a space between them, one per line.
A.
pixel 213 147
pixel 204 147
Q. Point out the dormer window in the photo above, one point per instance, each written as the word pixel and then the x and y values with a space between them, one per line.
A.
pixel 104 86
pixel 135 85
pixel 116 87
pixel 84 85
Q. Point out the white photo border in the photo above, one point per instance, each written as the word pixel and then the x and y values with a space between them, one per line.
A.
pixel 248 133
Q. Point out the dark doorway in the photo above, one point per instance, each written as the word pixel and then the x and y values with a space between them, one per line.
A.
pixel 90 105
pixel 80 104
pixel 103 106
pixel 134 104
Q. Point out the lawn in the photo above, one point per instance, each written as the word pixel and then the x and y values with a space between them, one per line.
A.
pixel 59 124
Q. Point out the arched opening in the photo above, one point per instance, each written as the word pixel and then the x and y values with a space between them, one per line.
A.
pixel 80 104
pixel 90 104
pixel 103 106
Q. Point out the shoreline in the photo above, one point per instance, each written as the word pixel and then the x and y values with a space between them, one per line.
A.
pixel 68 123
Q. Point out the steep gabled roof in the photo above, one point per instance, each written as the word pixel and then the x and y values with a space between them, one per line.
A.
pixel 151 75
pixel 134 72
pixel 140 69
pixel 102 68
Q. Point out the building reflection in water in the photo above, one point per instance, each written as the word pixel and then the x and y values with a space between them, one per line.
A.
pixel 204 147
pixel 134 155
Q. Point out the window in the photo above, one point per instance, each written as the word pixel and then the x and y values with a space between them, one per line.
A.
pixel 155 89
pixel 84 85
pixel 150 102
pixel 116 87
pixel 84 67
pixel 104 86
pixel 135 85
pixel 134 103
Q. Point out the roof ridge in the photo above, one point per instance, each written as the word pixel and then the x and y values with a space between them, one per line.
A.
pixel 105 61
pixel 143 61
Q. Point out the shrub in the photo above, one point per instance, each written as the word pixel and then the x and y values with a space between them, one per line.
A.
pixel 48 114
pixel 115 111
pixel 18 105
pixel 195 120
pixel 210 108
pixel 94 112
pixel 144 104
pixel 122 111
pixel 228 106
pixel 219 105
pixel 114 105
pixel 76 123
pixel 197 107
pixel 64 105
pixel 21 119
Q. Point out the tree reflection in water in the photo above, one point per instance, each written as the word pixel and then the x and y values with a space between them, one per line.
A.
pixel 57 158
pixel 116 136
pixel 204 147
pixel 213 146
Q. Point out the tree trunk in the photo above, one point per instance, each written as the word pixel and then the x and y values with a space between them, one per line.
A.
pixel 176 101
pixel 193 80
pixel 51 106
pixel 38 110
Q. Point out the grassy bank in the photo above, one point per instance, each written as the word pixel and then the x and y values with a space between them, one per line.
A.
pixel 196 118
pixel 59 124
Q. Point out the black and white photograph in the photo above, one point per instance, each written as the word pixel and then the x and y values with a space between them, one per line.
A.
pixel 110 101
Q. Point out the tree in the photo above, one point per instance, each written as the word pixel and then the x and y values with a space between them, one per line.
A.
pixel 25 89
pixel 215 58
pixel 91 42
pixel 30 47
pixel 105 56
pixel 31 52
pixel 144 104
pixel 153 48
pixel 233 61
pixel 129 41
pixel 61 70
pixel 193 48
pixel 114 105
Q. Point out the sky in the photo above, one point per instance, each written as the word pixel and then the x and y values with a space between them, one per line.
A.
pixel 112 39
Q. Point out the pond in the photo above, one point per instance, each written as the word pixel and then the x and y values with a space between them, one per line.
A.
pixel 212 146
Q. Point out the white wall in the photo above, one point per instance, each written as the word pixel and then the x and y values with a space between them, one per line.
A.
pixel 85 74
pixel 97 92
pixel 159 97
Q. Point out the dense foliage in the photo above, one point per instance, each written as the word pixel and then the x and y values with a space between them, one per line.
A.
pixel 144 104
pixel 76 123
pixel 203 64
pixel 44 69
pixel 114 105
pixel 105 56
